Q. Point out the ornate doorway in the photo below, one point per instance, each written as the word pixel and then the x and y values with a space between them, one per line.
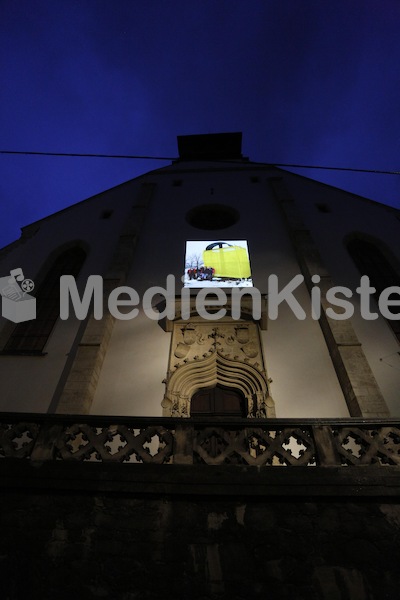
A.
pixel 226 357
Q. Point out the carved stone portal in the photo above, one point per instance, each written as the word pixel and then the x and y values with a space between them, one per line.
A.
pixel 206 353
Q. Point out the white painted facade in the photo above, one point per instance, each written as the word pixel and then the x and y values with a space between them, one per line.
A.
pixel 304 382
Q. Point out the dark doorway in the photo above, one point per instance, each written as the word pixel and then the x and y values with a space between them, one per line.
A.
pixel 218 401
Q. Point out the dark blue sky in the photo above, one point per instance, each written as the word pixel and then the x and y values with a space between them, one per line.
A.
pixel 306 81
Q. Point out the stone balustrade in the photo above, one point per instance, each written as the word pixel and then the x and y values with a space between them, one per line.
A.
pixel 166 441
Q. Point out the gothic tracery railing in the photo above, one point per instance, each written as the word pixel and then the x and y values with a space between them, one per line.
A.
pixel 259 442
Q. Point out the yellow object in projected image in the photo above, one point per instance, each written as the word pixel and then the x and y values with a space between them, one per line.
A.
pixel 227 260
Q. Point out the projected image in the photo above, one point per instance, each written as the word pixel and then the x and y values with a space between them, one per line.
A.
pixel 217 264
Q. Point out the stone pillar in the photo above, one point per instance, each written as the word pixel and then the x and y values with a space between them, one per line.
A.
pixel 78 391
pixel 360 389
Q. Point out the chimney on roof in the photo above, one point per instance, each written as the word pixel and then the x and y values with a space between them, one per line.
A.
pixel 210 146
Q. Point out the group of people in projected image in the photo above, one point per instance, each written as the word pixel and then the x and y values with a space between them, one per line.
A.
pixel 201 274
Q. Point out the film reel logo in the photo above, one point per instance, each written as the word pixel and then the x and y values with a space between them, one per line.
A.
pixel 17 303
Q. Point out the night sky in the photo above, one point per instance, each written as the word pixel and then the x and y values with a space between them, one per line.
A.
pixel 314 82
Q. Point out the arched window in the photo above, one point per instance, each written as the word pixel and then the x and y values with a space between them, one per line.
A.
pixel 370 260
pixel 31 337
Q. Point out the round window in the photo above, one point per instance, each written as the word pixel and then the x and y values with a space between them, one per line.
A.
pixel 212 216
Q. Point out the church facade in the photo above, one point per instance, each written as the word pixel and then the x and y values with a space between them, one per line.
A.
pixel 292 364
pixel 200 389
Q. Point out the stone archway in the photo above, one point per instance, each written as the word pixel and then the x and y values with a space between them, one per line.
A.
pixel 203 355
